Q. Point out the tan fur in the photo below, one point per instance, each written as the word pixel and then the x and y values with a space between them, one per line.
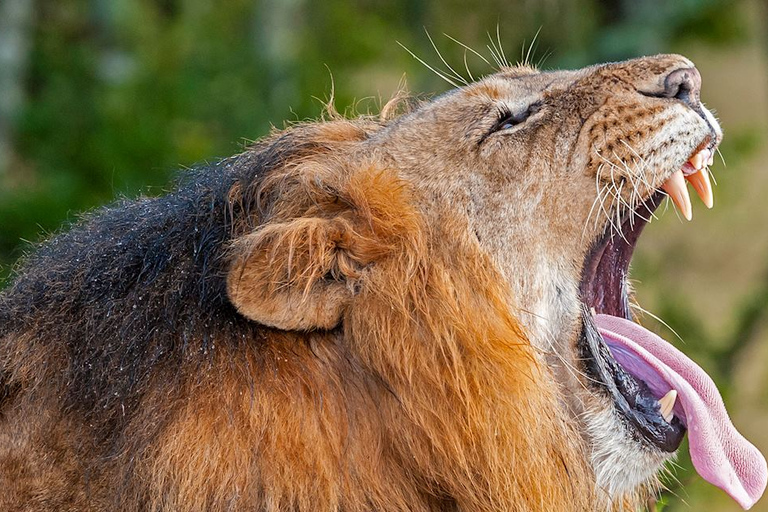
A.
pixel 451 357
pixel 415 290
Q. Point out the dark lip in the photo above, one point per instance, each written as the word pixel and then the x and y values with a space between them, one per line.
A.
pixel 710 142
pixel 604 287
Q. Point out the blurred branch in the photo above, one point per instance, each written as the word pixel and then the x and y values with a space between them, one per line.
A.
pixel 750 317
pixel 278 30
pixel 15 25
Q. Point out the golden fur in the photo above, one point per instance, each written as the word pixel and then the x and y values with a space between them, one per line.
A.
pixel 381 357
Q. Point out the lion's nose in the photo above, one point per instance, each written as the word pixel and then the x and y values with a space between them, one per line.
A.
pixel 685 85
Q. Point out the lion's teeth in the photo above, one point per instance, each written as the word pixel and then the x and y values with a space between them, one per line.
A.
pixel 676 189
pixel 666 403
pixel 701 184
pixel 697 160
pixel 711 158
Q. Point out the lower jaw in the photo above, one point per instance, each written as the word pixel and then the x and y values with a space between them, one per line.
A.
pixel 631 400
pixel 624 469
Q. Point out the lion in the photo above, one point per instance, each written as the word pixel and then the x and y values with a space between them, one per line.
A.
pixel 419 312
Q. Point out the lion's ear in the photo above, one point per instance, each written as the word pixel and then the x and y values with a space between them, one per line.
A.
pixel 296 275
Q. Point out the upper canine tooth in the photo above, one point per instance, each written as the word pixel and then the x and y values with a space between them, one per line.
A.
pixel 700 183
pixel 676 189
pixel 666 403
pixel 697 160
pixel 711 158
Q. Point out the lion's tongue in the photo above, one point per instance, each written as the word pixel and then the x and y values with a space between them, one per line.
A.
pixel 719 453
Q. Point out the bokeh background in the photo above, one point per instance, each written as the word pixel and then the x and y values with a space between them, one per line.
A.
pixel 108 98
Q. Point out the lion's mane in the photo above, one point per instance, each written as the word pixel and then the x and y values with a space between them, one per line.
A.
pixel 284 330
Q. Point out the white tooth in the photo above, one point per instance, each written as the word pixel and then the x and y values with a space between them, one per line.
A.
pixel 678 192
pixel 696 160
pixel 592 310
pixel 711 158
pixel 666 403
pixel 700 183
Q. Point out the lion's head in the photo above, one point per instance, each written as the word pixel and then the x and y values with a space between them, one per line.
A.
pixel 425 312
pixel 535 185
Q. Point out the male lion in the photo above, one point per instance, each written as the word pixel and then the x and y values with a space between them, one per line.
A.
pixel 423 313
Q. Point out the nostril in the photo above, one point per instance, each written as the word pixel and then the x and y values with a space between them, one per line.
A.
pixel 684 85
pixel 683 93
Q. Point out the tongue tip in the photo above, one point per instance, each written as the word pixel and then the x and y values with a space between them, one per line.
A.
pixel 748 488
pixel 746 498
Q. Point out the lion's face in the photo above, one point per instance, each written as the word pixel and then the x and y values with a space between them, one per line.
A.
pixel 556 173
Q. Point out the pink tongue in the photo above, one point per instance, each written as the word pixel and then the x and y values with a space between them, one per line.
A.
pixel 719 453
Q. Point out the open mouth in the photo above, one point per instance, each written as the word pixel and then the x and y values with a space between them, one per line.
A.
pixel 658 391
pixel 605 292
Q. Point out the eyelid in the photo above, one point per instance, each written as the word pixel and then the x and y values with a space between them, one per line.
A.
pixel 508 117
pixel 534 107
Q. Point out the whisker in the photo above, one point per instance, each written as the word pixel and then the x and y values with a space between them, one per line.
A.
pixel 589 215
pixel 601 197
pixel 543 59
pixel 617 199
pixel 551 343
pixel 665 324
pixel 475 52
pixel 428 66
pixel 495 54
pixel 466 67
pixel 608 216
pixel 527 59
pixel 629 173
pixel 668 470
pixel 677 213
pixel 496 59
pixel 501 46
pixel 455 73
pixel 712 175
pixel 721 157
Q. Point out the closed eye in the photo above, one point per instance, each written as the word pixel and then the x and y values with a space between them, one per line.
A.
pixel 508 119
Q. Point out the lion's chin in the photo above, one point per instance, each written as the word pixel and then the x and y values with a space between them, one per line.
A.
pixel 654 392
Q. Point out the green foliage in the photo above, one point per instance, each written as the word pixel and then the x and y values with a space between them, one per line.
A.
pixel 120 93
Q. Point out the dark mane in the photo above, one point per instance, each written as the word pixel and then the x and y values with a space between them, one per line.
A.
pixel 134 292
pixel 132 279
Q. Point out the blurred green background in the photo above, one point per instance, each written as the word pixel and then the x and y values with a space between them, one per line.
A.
pixel 108 98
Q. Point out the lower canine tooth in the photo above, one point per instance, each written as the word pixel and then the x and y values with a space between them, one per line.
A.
pixel 676 189
pixel 666 403
pixel 700 183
